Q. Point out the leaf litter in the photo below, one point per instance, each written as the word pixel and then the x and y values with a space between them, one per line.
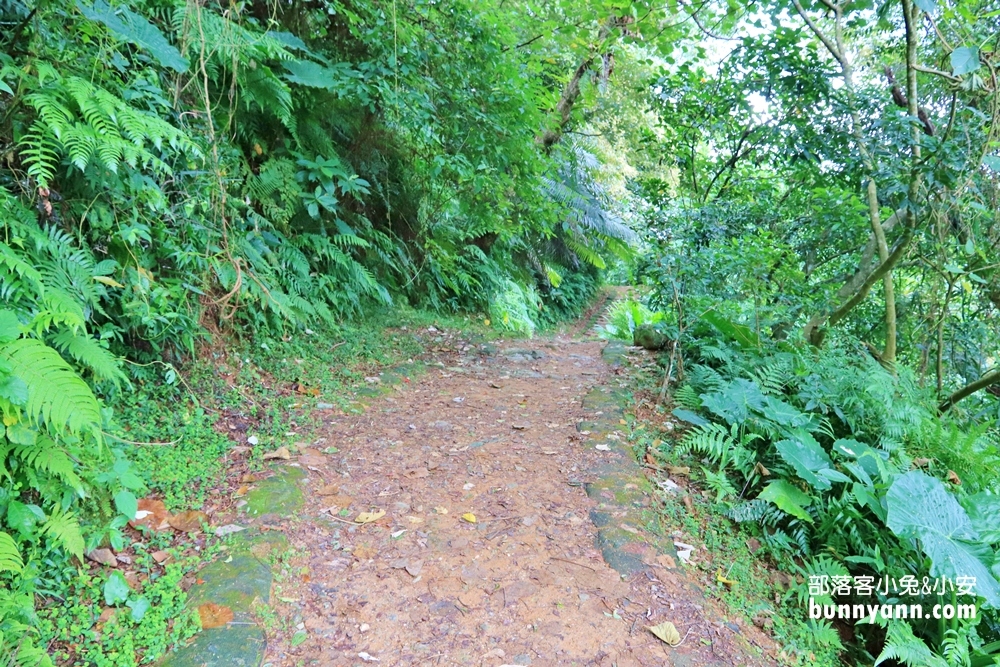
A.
pixel 414 584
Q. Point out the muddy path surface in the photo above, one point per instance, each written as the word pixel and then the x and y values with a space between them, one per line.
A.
pixel 488 467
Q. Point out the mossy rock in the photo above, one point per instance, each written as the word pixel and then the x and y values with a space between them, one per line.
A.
pixel 615 354
pixel 649 338
pixel 279 494
pixel 228 646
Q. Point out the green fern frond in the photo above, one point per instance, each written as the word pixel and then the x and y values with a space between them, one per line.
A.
pixel 65 529
pixel 56 394
pixel 87 351
pixel 686 397
pixel 46 456
pixel 10 555
pixel 903 646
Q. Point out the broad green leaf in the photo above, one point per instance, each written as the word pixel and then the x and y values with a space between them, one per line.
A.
pixel 139 607
pixel 130 27
pixel 116 589
pixel 734 402
pixel 805 455
pixel 288 39
pixel 992 161
pixel 866 457
pixel 127 504
pixel 690 417
pixel 10 326
pixel 14 390
pixel 743 335
pixel 965 60
pixel 19 434
pixel 984 513
pixel 23 518
pixel 919 507
pixel 314 75
pixel 783 413
pixel 866 498
pixel 787 498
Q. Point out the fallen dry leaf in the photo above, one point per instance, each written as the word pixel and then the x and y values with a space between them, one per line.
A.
pixel 953 478
pixel 414 519
pixel 103 556
pixel 214 615
pixel 679 470
pixel 364 552
pixel 469 516
pixel 441 510
pixel 151 514
pixel 688 503
pixel 160 556
pixel 328 490
pixel 761 470
pixel 369 517
pixel 280 453
pixel 300 388
pixel 342 501
pixel 189 521
pixel 667 561
pixel 666 632
pixel 414 568
pixel 312 457
pixel 921 463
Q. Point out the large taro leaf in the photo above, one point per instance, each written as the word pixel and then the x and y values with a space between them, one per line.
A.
pixel 735 401
pixel 984 514
pixel 784 414
pixel 919 507
pixel 787 498
pixel 742 334
pixel 809 460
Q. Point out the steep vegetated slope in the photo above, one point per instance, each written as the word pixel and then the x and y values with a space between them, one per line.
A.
pixel 822 277
pixel 173 170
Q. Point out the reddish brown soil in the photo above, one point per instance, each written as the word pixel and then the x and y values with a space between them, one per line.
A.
pixel 495 436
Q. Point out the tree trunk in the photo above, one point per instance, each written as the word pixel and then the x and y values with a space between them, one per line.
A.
pixel 889 353
pixel 564 108
pixel 992 377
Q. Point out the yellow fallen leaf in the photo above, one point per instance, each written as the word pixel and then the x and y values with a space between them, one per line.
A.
pixel 722 579
pixel 414 519
pixel 110 282
pixel 469 516
pixel 666 632
pixel 622 422
pixel 280 453
pixel 441 510
pixel 369 517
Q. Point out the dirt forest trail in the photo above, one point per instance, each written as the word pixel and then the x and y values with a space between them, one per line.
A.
pixel 506 493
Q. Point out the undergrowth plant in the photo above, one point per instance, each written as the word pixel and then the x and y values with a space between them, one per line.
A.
pixel 846 470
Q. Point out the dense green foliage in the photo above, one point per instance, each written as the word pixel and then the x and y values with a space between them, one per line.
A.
pixel 850 148
pixel 813 187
